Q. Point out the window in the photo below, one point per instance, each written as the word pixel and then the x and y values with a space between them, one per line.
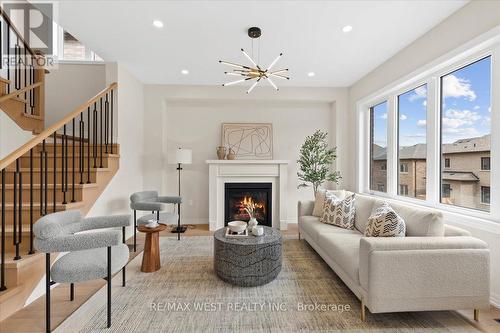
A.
pixel 447 163
pixel 403 190
pixel 412 139
pixel 485 195
pixel 446 191
pixel 73 49
pixel 465 131
pixel 485 163
pixel 378 144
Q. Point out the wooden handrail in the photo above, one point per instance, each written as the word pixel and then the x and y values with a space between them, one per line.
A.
pixel 20 91
pixel 7 18
pixel 12 157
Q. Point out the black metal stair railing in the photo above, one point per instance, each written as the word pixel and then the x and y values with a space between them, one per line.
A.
pixel 79 144
pixel 19 62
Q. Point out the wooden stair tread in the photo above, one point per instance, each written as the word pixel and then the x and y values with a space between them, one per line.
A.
pixel 26 259
pixel 32 116
pixel 11 291
pixel 51 186
pixel 36 205
pixel 4 80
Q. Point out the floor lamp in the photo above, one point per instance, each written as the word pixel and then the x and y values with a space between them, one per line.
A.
pixel 182 156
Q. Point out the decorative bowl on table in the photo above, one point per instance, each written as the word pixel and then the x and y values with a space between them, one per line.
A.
pixel 237 226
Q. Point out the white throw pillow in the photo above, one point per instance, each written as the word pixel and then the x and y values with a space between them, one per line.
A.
pixel 339 212
pixel 319 203
pixel 385 222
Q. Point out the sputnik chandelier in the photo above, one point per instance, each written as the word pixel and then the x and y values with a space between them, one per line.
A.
pixel 256 72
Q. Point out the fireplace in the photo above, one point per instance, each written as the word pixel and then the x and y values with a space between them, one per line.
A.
pixel 237 196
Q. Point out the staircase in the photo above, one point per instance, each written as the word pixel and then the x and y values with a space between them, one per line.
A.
pixel 65 166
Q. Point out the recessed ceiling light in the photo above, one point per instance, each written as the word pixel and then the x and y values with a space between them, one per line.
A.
pixel 347 28
pixel 185 72
pixel 311 74
pixel 158 23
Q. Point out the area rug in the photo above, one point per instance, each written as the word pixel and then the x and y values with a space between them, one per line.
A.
pixel 186 296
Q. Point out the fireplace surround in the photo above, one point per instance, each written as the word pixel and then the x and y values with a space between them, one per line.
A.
pixel 238 195
pixel 222 172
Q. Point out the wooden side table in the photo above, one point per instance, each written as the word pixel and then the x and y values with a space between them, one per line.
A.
pixel 151 255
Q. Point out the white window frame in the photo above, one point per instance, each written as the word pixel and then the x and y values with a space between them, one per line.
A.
pixel 430 74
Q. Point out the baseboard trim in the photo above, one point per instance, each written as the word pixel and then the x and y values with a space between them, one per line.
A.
pixel 495 300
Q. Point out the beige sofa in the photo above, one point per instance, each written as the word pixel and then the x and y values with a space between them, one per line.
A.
pixel 435 267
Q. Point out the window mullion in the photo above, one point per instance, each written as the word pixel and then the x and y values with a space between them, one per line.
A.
pixel 392 146
pixel 495 135
pixel 433 141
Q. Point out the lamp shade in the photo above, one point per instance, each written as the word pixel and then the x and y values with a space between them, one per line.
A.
pixel 183 156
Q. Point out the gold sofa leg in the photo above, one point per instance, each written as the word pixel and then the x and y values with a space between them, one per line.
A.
pixel 476 314
pixel 363 313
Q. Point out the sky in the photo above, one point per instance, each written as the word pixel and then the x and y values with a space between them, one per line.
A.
pixel 466 108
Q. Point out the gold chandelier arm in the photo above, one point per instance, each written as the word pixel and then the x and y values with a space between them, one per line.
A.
pixel 235 82
pixel 274 62
pixel 278 75
pixel 249 58
pixel 233 64
pixel 272 83
pixel 253 86
pixel 235 74
pixel 279 71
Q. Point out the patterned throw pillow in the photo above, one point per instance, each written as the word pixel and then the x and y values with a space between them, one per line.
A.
pixel 385 222
pixel 339 212
pixel 319 202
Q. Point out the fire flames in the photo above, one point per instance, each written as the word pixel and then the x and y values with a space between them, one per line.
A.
pixel 249 205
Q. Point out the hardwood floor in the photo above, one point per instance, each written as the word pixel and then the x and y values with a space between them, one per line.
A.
pixel 31 319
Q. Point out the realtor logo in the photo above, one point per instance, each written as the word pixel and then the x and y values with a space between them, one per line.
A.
pixel 33 22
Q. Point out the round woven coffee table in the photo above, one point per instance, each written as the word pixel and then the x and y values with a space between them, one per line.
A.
pixel 248 261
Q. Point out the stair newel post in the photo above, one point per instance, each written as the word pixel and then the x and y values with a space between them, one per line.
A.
pixel 81 148
pixel 41 178
pixel 64 175
pixel 31 251
pixel 25 78
pixel 8 53
pixel 14 213
pixel 100 130
pixel 46 180
pixel 20 212
pixel 2 262
pixel 111 136
pixel 106 122
pixel 94 132
pixel 54 192
pixel 88 145
pixel 73 164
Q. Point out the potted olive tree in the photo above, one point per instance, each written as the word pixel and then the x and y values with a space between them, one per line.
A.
pixel 315 161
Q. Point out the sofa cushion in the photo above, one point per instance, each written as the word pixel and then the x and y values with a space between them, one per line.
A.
pixel 339 212
pixel 343 248
pixel 313 227
pixel 419 221
pixel 320 200
pixel 364 207
pixel 385 222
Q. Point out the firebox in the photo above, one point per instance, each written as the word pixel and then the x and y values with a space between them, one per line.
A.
pixel 238 196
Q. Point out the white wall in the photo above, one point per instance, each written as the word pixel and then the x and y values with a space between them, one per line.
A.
pixel 69 85
pixel 191 117
pixel 130 136
pixel 11 135
pixel 467 23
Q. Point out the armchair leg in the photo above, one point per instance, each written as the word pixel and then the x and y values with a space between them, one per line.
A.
pixel 123 269
pixel 476 314
pixel 71 291
pixel 299 236
pixel 47 292
pixel 363 309
pixel 135 230
pixel 109 286
pixel 179 222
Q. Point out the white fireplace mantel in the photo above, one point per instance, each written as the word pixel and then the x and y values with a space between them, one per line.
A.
pixel 247 171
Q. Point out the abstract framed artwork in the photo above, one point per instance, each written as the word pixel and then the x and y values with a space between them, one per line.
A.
pixel 250 141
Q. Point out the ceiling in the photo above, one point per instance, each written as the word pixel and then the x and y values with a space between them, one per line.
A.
pixel 196 34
